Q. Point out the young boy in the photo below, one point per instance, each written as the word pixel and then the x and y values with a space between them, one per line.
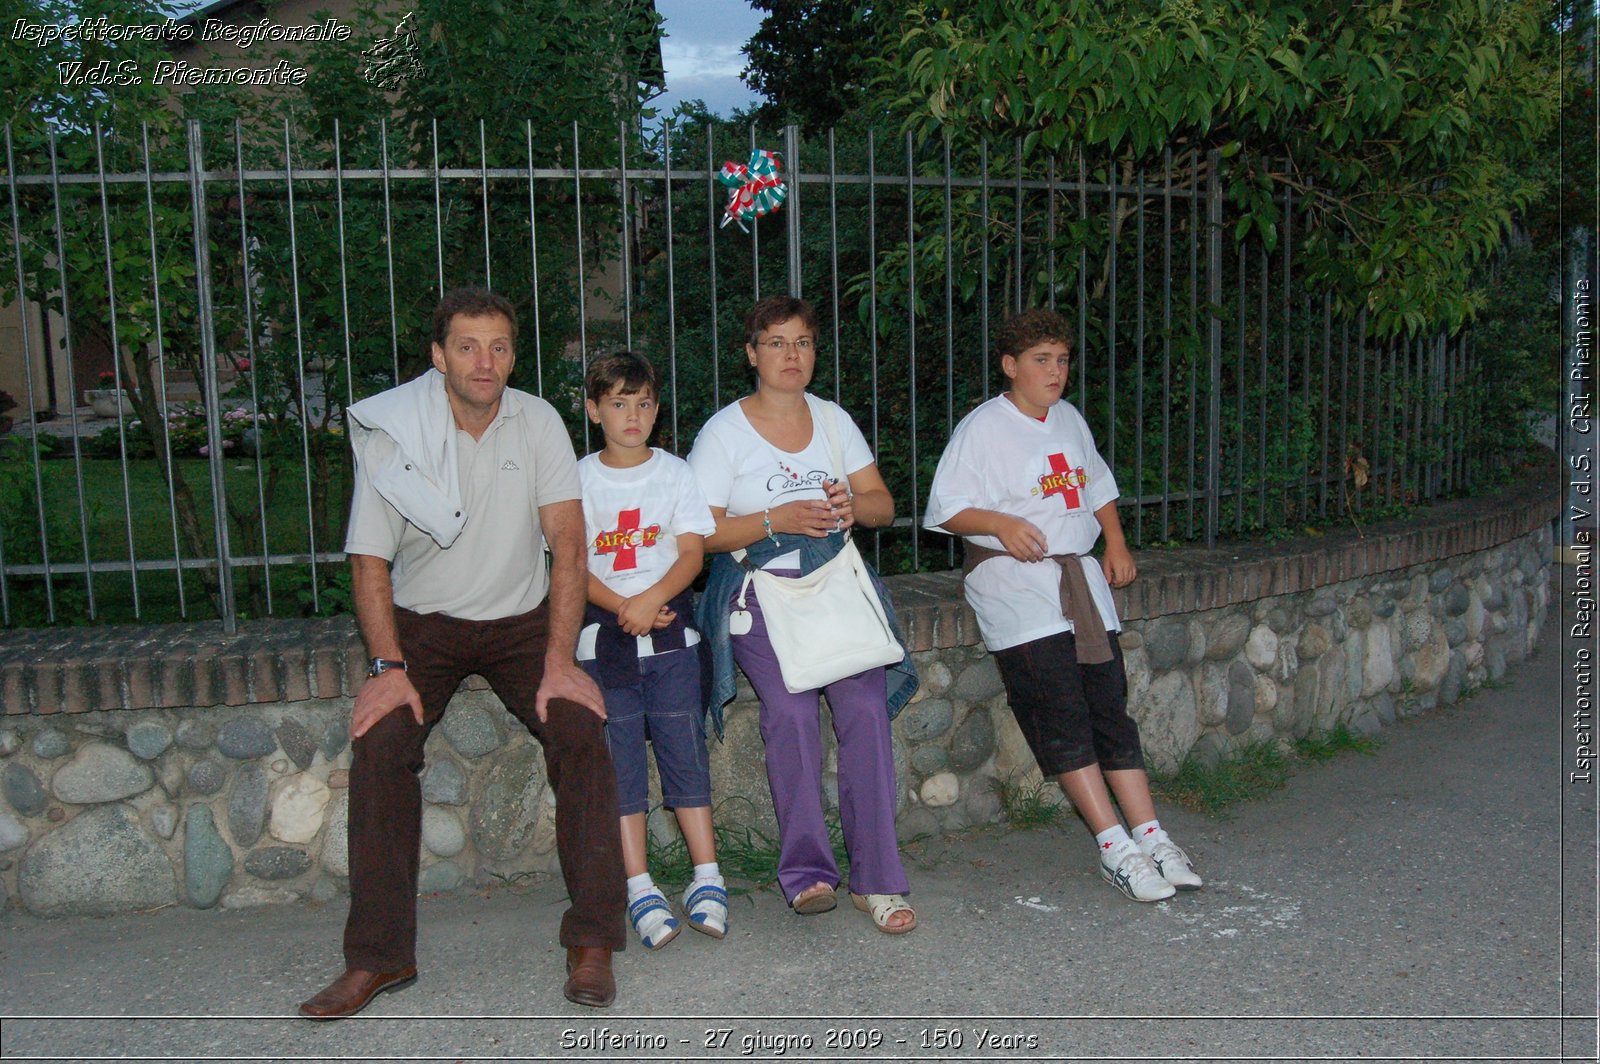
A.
pixel 646 522
pixel 1022 482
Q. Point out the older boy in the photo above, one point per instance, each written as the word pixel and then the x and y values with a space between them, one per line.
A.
pixel 1022 482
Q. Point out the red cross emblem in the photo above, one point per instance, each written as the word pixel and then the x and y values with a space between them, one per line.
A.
pixel 625 540
pixel 1063 480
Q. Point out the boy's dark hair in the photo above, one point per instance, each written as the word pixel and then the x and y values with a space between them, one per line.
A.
pixel 623 372
pixel 773 309
pixel 474 303
pixel 1029 328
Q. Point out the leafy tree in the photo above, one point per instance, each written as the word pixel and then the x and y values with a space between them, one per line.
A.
pixel 1406 129
pixel 812 59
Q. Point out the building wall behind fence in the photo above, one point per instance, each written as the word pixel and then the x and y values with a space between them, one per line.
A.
pixel 142 767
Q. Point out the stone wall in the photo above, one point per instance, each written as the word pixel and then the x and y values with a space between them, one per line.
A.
pixel 142 767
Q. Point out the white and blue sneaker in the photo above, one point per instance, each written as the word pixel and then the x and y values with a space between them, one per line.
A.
pixel 705 903
pixel 1173 864
pixel 1126 867
pixel 653 920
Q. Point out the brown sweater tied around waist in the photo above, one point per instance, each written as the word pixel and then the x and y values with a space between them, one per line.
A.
pixel 1077 602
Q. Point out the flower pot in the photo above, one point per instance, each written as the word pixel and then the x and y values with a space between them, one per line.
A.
pixel 109 402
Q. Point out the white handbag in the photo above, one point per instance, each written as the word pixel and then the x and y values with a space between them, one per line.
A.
pixel 828 624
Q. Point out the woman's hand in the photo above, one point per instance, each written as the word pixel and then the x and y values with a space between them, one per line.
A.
pixel 806 517
pixel 843 505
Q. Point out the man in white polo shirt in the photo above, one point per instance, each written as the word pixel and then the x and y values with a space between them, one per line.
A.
pixel 460 483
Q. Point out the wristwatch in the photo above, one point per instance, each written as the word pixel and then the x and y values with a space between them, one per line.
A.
pixel 382 665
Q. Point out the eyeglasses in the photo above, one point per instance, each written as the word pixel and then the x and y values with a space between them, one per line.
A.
pixel 777 345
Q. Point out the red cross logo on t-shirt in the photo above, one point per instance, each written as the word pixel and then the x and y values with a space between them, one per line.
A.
pixel 1063 480
pixel 625 539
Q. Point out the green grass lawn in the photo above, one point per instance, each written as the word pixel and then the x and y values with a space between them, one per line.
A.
pixel 128 513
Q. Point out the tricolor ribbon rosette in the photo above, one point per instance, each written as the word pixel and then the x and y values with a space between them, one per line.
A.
pixel 757 188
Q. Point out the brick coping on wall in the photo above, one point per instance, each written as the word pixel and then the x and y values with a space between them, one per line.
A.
pixel 77 670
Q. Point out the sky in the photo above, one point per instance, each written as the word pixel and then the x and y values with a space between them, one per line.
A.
pixel 701 53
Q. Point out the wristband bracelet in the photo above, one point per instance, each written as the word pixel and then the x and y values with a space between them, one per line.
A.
pixel 766 524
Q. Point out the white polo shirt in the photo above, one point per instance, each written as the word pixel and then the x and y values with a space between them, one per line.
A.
pixel 496 567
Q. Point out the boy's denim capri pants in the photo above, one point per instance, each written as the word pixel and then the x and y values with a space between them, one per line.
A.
pixel 1072 715
pixel 662 704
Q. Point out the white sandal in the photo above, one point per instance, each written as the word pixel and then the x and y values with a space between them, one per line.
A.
pixel 883 906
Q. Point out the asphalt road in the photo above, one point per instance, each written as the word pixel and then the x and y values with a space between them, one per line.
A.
pixel 1434 900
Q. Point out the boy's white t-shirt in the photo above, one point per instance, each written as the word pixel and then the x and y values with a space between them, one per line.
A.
pixel 740 471
pixel 1046 472
pixel 632 519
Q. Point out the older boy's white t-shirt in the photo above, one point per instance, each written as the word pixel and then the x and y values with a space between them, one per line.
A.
pixel 1046 472
pixel 632 519
pixel 743 473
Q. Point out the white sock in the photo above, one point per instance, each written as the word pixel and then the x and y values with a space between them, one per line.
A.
pixel 708 873
pixel 640 885
pixel 1111 837
pixel 1149 835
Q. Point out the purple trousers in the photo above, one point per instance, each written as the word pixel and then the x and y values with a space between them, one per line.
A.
pixel 791 729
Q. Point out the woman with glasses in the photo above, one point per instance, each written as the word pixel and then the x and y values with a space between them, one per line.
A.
pixel 788 475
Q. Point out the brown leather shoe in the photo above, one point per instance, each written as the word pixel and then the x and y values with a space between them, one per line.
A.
pixel 354 991
pixel 589 980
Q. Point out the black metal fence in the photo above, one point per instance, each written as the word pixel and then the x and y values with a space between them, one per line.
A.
pixel 278 278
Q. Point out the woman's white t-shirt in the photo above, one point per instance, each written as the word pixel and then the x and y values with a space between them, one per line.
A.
pixel 1048 473
pixel 740 471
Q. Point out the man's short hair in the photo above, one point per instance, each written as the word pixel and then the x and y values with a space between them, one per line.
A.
pixel 1029 328
pixel 774 309
pixel 473 303
pixel 623 372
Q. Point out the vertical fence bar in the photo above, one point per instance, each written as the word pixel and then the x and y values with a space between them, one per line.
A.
pixel 1191 407
pixel 250 350
pixel 1335 463
pixel 299 363
pixel 1261 398
pixel 533 261
pixel 158 377
pixel 1214 344
pixel 627 242
pixel 1241 381
pixel 833 260
pixel 72 384
pixel 388 251
pixel 983 268
pixel 672 288
pixel 911 341
pixel 438 208
pixel 1363 435
pixel 483 190
pixel 711 266
pixel 208 356
pixel 1138 381
pixel 1327 359
pixel 1287 324
pixel 33 400
pixel 1113 235
pixel 949 327
pixel 1166 344
pixel 791 206
pixel 116 367
pixel 755 238
pixel 872 297
pixel 1016 230
pixel 1050 235
pixel 577 231
pixel 344 272
pixel 1083 284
